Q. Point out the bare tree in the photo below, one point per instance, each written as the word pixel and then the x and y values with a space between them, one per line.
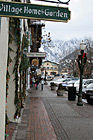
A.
pixel 89 66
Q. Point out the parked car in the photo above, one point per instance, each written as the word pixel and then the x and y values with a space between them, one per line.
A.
pixel 49 78
pixel 76 84
pixel 89 93
pixel 86 82
pixel 89 81
pixel 52 76
pixel 57 74
pixel 58 81
pixel 86 86
pixel 69 82
pixel 64 81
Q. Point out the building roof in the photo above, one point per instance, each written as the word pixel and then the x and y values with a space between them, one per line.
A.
pixel 50 62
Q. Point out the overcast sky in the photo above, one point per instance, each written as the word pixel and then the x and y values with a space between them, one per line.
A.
pixel 80 25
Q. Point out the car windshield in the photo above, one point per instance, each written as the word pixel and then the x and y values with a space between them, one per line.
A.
pixel 66 80
pixel 90 86
pixel 60 80
pixel 75 78
pixel 88 82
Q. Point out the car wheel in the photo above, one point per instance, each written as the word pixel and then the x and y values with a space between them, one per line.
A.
pixel 88 99
pixel 83 96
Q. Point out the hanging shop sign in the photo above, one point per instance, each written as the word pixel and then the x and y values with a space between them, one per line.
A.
pixel 33 11
pixel 35 62
pixel 36 54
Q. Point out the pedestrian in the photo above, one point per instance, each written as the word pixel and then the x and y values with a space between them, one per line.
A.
pixel 33 81
pixel 42 83
pixel 36 83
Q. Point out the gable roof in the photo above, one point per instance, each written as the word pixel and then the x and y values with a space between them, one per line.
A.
pixel 50 62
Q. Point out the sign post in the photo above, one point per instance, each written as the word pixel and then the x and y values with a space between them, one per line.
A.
pixel 33 11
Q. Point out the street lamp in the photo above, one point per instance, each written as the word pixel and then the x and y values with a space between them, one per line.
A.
pixel 81 63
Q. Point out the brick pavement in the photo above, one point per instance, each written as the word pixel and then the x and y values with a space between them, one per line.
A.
pixel 35 123
pixel 39 127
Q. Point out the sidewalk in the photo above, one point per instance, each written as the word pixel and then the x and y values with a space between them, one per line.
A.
pixel 47 116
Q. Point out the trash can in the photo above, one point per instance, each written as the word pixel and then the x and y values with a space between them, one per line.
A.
pixel 72 93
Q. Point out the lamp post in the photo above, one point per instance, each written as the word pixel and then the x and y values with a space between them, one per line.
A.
pixel 81 63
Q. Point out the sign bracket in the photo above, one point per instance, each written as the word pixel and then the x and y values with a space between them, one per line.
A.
pixel 58 2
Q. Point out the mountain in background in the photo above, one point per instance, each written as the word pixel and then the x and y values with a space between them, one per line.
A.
pixel 58 49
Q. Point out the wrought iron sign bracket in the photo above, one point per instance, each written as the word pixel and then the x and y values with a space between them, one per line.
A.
pixel 58 1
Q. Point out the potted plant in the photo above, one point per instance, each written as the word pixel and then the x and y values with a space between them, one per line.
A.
pixel 53 86
pixel 60 90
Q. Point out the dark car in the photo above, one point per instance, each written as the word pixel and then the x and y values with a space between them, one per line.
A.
pixel 89 93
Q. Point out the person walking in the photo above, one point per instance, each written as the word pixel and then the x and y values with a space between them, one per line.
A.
pixel 33 81
pixel 36 83
pixel 42 83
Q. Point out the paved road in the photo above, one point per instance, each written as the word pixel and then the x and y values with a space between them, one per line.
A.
pixel 66 120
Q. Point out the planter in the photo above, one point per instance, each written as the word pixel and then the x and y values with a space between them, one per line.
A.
pixel 53 86
pixel 60 90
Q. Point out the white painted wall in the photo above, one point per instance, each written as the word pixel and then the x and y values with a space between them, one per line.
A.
pixel 11 89
pixel 28 75
pixel 3 67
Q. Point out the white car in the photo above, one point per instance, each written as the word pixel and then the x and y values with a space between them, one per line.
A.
pixel 84 84
pixel 89 93
pixel 85 88
pixel 49 78
pixel 70 84
pixel 58 81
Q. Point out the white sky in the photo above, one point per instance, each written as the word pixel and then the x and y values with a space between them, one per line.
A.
pixel 80 25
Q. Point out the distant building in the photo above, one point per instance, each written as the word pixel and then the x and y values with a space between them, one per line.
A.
pixel 51 68
pixel 65 71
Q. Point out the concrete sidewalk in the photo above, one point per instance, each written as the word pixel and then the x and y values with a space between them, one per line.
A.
pixel 47 116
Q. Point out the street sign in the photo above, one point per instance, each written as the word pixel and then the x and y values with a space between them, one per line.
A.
pixel 33 11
